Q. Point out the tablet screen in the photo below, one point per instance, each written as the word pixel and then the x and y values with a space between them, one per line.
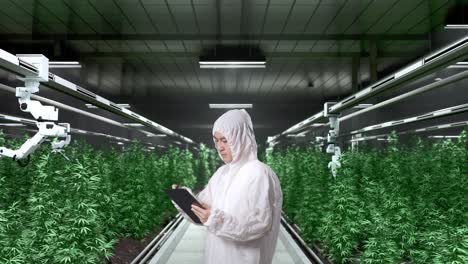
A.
pixel 185 200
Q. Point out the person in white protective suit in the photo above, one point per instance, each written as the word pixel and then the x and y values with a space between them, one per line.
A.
pixel 243 198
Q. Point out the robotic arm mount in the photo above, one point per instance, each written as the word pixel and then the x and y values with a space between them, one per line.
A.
pixel 332 147
pixel 45 115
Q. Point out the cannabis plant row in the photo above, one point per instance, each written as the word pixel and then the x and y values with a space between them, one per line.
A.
pixel 400 204
pixel 74 211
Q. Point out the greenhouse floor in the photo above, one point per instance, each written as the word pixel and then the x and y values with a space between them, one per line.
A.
pixel 185 246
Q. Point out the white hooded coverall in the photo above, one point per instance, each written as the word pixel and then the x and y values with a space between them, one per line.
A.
pixel 245 198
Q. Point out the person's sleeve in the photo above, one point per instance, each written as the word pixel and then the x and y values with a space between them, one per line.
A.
pixel 258 220
pixel 205 195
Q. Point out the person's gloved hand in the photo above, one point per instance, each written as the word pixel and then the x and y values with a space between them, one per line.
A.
pixel 202 214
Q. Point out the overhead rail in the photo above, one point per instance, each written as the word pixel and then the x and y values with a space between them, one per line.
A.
pixel 413 131
pixel 82 112
pixel 17 66
pixel 64 106
pixel 449 80
pixel 431 115
pixel 72 130
pixel 441 83
pixel 437 60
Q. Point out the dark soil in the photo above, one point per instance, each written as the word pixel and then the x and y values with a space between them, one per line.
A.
pixel 127 249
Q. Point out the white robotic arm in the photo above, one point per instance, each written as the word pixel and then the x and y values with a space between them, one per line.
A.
pixel 332 147
pixel 45 115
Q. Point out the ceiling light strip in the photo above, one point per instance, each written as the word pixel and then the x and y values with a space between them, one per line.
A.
pixel 229 106
pixel 456 26
pixel 232 62
pixel 227 66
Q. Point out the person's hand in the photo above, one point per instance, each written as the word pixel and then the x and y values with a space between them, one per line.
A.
pixel 202 214
pixel 175 186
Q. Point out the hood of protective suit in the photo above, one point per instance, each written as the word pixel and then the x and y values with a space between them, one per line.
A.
pixel 237 128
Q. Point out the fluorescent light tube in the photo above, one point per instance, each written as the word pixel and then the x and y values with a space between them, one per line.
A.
pixel 12 125
pixel 232 62
pixel 91 106
pixel 156 135
pixel 461 64
pixel 230 106
pixel 444 136
pixel 64 64
pixel 238 66
pixel 362 106
pixel 148 134
pixel 456 26
pixel 318 124
pixel 133 124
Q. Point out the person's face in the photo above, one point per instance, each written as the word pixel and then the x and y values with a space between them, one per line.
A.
pixel 222 147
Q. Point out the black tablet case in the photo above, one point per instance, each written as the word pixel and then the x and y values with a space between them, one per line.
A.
pixel 185 200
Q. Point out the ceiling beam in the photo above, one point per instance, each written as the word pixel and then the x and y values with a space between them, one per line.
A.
pixel 213 37
pixel 91 55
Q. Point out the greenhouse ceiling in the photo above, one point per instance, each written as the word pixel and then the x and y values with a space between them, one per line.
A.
pixel 145 53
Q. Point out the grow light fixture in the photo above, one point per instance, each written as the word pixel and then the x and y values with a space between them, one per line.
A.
pixel 64 64
pixel 229 106
pixel 133 124
pixel 456 17
pixel 91 106
pixel 232 65
pixel 12 125
pixel 456 26
pixel 148 134
pixel 156 135
pixel 362 106
pixel 440 136
pixel 225 57
pixel 460 65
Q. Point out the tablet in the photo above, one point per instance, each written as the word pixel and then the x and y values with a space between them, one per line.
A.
pixel 185 200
